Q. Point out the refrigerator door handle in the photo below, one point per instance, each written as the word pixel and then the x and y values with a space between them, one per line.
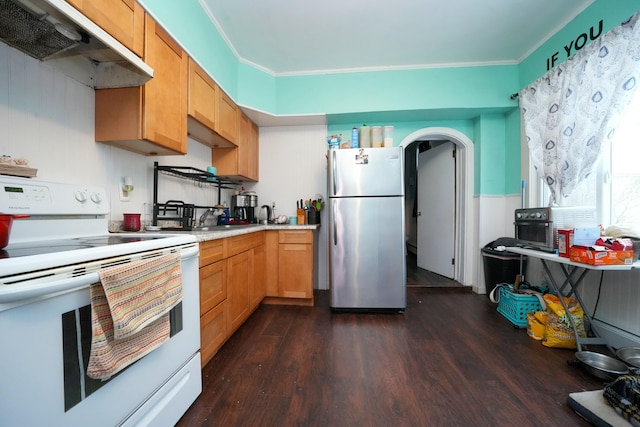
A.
pixel 333 170
pixel 335 225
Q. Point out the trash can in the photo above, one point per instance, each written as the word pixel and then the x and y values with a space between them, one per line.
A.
pixel 500 266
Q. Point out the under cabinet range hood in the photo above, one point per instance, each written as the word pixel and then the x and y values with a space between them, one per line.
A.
pixel 53 30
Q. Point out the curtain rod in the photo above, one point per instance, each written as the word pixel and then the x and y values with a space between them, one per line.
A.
pixel 514 96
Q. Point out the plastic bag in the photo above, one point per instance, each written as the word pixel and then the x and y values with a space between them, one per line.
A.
pixel 558 332
pixel 536 326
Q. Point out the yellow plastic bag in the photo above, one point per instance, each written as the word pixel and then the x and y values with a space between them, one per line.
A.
pixel 558 332
pixel 535 328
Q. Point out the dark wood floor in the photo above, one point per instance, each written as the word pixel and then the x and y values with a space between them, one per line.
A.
pixel 449 360
pixel 417 276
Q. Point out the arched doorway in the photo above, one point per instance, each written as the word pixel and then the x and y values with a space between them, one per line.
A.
pixel 464 192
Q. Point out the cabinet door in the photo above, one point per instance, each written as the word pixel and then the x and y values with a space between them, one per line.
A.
pixel 122 19
pixel 257 285
pixel 150 119
pixel 239 162
pixel 202 95
pixel 253 152
pixel 271 279
pixel 226 121
pixel 213 285
pixel 165 96
pixel 238 278
pixel 244 125
pixel 213 331
pixel 295 270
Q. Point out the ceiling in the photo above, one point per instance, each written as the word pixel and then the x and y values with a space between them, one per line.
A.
pixel 295 37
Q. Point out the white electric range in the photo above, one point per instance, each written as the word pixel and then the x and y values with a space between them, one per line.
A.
pixel 45 321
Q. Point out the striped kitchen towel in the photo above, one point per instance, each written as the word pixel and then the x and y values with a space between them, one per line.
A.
pixel 129 312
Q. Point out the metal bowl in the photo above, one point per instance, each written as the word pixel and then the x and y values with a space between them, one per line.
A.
pixel 629 355
pixel 602 366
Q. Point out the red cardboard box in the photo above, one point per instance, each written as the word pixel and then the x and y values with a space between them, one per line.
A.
pixel 565 241
pixel 599 255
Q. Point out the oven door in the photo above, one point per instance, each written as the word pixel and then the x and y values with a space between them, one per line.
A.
pixel 537 234
pixel 45 355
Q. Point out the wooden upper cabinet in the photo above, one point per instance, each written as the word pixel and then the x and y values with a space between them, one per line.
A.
pixel 240 163
pixel 226 121
pixel 203 93
pixel 150 119
pixel 243 145
pixel 253 150
pixel 122 19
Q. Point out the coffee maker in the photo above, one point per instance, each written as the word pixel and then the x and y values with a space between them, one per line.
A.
pixel 252 216
pixel 243 207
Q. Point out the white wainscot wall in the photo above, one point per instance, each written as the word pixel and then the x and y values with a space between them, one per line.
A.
pixel 495 219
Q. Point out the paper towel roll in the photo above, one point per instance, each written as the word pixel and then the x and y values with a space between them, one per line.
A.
pixel 376 136
pixel 365 137
pixel 388 136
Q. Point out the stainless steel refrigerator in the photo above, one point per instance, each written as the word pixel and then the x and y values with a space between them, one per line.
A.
pixel 367 229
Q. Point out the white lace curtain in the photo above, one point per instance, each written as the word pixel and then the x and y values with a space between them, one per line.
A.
pixel 571 111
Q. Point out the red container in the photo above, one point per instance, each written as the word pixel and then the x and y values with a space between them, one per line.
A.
pixel 131 222
pixel 6 221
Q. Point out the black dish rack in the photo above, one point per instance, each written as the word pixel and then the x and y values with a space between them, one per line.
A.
pixel 176 210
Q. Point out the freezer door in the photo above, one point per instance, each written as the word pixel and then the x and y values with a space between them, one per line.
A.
pixel 367 253
pixel 366 172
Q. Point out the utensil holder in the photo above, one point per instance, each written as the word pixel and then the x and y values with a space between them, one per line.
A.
pixel 302 217
pixel 313 217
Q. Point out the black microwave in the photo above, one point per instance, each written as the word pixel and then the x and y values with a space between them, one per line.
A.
pixel 537 228
pixel 534 229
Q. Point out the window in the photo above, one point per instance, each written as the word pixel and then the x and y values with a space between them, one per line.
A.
pixel 614 186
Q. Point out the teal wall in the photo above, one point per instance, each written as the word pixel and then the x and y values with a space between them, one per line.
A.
pixel 191 27
pixel 473 100
pixel 610 12
pixel 399 90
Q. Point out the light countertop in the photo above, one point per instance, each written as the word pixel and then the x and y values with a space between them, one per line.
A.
pixel 221 232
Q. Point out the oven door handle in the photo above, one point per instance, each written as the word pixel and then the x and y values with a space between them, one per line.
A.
pixel 23 293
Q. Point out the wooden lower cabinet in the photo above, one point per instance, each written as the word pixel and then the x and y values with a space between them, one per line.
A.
pixel 213 302
pixel 239 276
pixel 258 289
pixel 232 286
pixel 290 266
pixel 213 332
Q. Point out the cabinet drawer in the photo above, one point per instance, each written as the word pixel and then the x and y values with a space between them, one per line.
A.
pixel 211 251
pixel 295 236
pixel 244 242
pixel 213 331
pixel 213 285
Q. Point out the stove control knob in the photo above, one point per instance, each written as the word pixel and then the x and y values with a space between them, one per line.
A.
pixel 81 196
pixel 538 215
pixel 96 198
